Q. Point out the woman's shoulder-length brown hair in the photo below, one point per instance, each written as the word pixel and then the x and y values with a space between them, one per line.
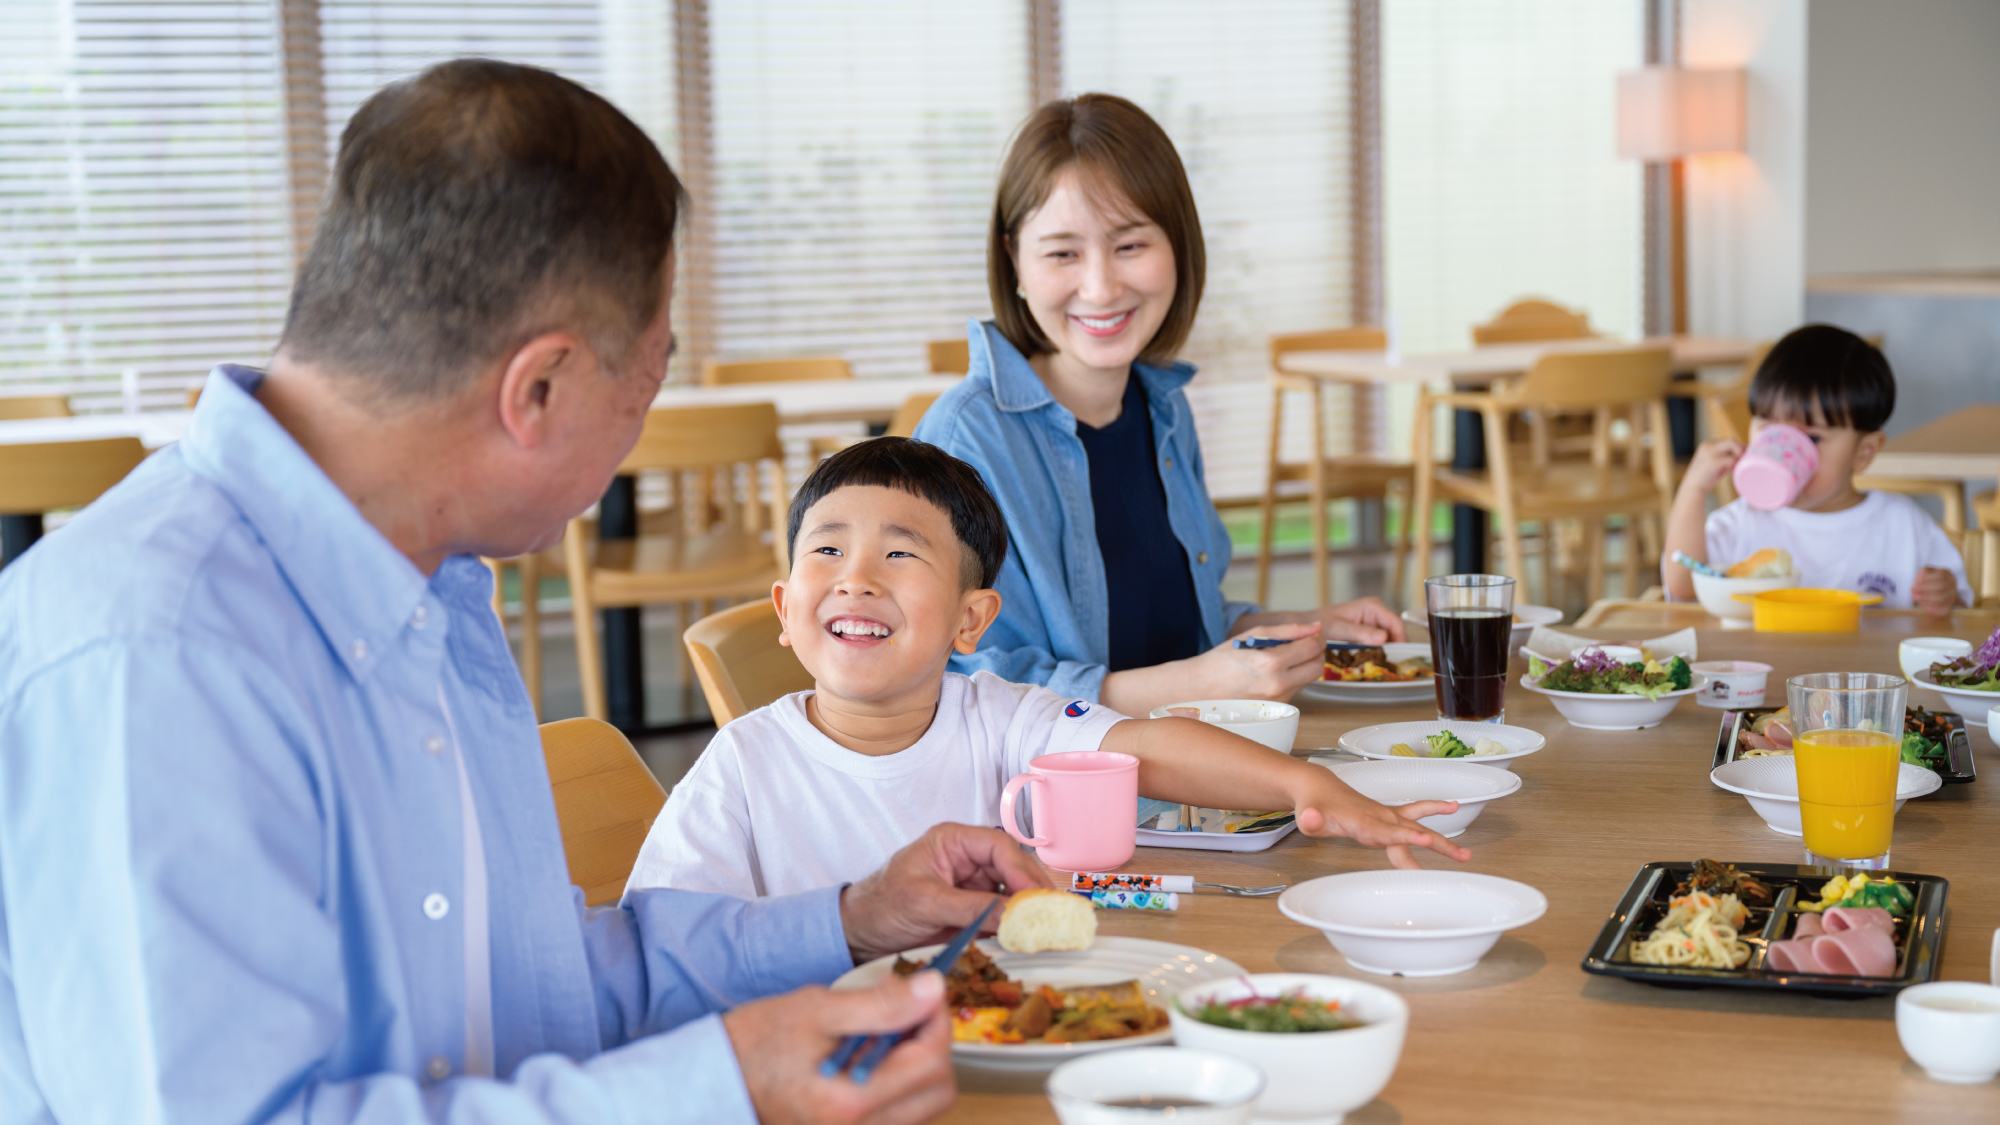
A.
pixel 1118 151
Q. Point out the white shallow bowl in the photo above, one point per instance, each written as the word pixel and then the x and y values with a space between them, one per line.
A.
pixel 1592 711
pixel 1718 595
pixel 1273 724
pixel 1971 704
pixel 1526 617
pixel 1403 781
pixel 1316 1076
pixel 1951 1028
pixel 1229 1085
pixel 1374 742
pixel 1771 784
pixel 1412 923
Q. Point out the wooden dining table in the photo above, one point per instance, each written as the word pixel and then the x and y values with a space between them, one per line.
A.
pixel 1527 1035
pixel 1963 445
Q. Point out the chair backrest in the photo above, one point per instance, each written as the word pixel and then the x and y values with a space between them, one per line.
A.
pixel 740 663
pixel 606 800
pixel 904 422
pixel 1980 548
pixel 949 357
pixel 1331 340
pixel 716 373
pixel 46 476
pixel 699 437
pixel 1585 380
pixel 1530 320
pixel 15 407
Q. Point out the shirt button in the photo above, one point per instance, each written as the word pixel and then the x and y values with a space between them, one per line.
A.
pixel 436 906
pixel 1170 462
pixel 359 649
pixel 434 743
pixel 420 615
pixel 439 1068
pixel 1202 558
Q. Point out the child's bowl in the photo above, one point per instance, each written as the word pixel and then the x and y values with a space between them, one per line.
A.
pixel 1808 610
pixel 1733 685
pixel 1273 724
pixel 1718 595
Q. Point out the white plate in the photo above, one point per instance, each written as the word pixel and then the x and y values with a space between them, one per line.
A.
pixel 1972 704
pixel 1411 691
pixel 1374 742
pixel 1214 841
pixel 1161 968
pixel 1529 615
pixel 1600 711
pixel 1771 785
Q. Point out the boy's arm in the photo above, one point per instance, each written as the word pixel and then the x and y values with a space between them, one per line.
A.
pixel 1687 523
pixel 1196 763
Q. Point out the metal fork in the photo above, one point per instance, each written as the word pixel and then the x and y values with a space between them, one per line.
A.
pixel 1244 892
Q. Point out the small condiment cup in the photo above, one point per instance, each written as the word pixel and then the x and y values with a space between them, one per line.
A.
pixel 1734 685
pixel 1952 1029
pixel 1101 1089
pixel 1917 654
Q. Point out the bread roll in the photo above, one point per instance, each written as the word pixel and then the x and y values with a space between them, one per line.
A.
pixel 1037 920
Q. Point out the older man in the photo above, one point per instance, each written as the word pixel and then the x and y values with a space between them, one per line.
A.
pixel 276 840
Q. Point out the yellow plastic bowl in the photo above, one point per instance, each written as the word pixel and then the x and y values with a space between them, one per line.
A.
pixel 1807 611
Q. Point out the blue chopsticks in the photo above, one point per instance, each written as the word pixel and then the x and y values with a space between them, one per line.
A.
pixel 1274 642
pixel 837 1061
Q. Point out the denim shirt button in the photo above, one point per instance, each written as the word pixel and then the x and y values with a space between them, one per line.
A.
pixel 1202 558
pixel 439 1068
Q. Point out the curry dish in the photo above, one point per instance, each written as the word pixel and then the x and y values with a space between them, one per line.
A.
pixel 987 1006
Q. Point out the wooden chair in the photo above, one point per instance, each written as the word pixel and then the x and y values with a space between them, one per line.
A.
pixel 903 423
pixel 741 664
pixel 1530 320
pixel 717 373
pixel 1353 476
pixel 16 407
pixel 1980 548
pixel 1601 383
pixel 51 476
pixel 729 542
pixel 606 801
pixel 949 357
pixel 530 569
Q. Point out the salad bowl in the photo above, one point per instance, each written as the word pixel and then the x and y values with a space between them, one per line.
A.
pixel 1593 710
pixel 1314 1075
pixel 1970 702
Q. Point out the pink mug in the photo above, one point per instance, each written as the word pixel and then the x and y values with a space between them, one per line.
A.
pixel 1086 809
pixel 1776 467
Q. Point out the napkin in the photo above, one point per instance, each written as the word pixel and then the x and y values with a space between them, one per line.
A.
pixel 1554 646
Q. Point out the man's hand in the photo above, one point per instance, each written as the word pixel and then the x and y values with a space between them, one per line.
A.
pixel 781 1042
pixel 1935 591
pixel 1362 621
pixel 931 889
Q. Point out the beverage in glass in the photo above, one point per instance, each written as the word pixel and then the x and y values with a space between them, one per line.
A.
pixel 1471 623
pixel 1847 735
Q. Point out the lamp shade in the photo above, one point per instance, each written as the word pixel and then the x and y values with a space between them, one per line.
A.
pixel 1665 112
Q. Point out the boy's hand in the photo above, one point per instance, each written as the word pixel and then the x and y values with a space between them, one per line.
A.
pixel 1362 621
pixel 1337 810
pixel 1935 591
pixel 1712 460
pixel 1228 672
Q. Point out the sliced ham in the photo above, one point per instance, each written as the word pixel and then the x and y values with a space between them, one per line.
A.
pixel 1780 734
pixel 1840 918
pixel 1758 742
pixel 1810 925
pixel 1863 950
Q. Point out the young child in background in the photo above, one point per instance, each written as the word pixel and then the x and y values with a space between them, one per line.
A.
pixel 1838 389
pixel 895 545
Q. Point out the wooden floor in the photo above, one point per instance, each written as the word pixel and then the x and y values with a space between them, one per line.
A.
pixel 1527 1035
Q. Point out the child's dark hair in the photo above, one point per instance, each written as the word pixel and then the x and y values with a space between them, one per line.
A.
pixel 1825 371
pixel 919 469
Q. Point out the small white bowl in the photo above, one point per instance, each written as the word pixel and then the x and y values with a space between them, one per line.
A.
pixel 1274 724
pixel 1083 1089
pixel 1734 685
pixel 1526 617
pixel 1593 711
pixel 1771 785
pixel 1319 1076
pixel 1718 595
pixel 1965 701
pixel 1917 654
pixel 1993 724
pixel 1374 742
pixel 1412 923
pixel 1403 781
pixel 1951 1028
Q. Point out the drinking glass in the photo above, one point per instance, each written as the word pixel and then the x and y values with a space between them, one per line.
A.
pixel 1847 734
pixel 1471 624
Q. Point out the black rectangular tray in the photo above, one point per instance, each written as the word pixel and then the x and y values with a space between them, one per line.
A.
pixel 1919 938
pixel 1958 769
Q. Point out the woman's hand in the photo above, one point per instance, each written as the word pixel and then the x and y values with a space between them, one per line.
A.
pixel 1363 621
pixel 1224 672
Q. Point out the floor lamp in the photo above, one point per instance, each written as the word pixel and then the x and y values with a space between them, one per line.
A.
pixel 1666 114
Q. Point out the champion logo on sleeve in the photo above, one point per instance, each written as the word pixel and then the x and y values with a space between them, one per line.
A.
pixel 1077 709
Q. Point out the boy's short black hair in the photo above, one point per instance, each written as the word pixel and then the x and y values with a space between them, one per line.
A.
pixel 920 469
pixel 1825 371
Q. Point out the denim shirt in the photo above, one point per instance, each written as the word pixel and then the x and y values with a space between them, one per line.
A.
pixel 1054 626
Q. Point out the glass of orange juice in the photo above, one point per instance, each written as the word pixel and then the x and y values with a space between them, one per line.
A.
pixel 1847 734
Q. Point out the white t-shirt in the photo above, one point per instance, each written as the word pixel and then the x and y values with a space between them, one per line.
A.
pixel 1877 546
pixel 775 807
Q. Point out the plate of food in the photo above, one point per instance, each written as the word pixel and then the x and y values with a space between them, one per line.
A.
pixel 1817 930
pixel 1046 988
pixel 1397 672
pixel 1598 691
pixel 1935 740
pixel 1526 617
pixel 1488 744
pixel 1970 683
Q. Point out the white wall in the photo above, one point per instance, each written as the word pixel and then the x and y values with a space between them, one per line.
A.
pixel 1902 147
pixel 1746 211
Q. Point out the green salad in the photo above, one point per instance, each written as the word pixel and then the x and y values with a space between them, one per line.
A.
pixel 1294 1011
pixel 1979 671
pixel 1599 674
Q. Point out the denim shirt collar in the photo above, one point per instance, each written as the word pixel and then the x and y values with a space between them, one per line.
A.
pixel 358 587
pixel 1017 389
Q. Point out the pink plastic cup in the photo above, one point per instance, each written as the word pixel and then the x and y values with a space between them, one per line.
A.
pixel 1086 809
pixel 1773 471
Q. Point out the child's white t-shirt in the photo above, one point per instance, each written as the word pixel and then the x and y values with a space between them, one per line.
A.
pixel 775 807
pixel 1877 546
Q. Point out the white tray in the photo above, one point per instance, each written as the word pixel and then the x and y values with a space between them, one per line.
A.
pixel 1214 841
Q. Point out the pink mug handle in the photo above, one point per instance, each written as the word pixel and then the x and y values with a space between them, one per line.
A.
pixel 1007 810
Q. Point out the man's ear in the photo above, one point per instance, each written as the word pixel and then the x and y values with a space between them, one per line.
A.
pixel 778 602
pixel 981 608
pixel 533 381
pixel 1866 449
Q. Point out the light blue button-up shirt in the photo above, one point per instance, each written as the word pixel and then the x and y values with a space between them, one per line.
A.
pixel 234 872
pixel 1055 617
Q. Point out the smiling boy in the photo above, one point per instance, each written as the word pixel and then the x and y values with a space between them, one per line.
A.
pixel 895 545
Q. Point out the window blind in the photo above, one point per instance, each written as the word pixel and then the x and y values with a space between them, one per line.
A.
pixel 1255 95
pixel 142 179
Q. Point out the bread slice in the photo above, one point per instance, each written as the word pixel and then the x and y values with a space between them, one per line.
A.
pixel 1038 919
pixel 1771 562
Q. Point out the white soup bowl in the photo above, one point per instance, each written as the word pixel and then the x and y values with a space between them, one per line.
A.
pixel 1403 781
pixel 1083 1088
pixel 1412 923
pixel 1771 785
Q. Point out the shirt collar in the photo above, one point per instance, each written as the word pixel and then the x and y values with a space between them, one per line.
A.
pixel 1016 387
pixel 357 586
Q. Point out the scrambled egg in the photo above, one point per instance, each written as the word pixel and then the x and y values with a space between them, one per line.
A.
pixel 982 1025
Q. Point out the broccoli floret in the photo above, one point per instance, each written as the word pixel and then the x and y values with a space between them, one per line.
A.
pixel 1680 675
pixel 1445 744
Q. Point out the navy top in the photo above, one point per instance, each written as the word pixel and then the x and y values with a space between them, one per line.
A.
pixel 1154 615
